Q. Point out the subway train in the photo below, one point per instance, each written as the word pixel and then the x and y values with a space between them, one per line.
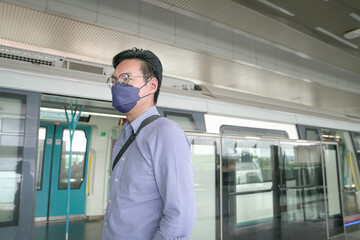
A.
pixel 262 168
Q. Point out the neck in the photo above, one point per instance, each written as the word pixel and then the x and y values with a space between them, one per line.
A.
pixel 137 111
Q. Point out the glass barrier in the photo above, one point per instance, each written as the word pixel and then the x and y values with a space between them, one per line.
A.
pixel 278 189
pixel 12 132
pixel 302 191
pixel 335 217
pixel 205 157
pixel 350 172
pixel 247 182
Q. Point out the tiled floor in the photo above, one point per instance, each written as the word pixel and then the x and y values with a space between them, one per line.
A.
pixel 78 230
pixel 91 230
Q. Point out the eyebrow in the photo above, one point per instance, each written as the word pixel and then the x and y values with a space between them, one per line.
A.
pixel 128 73
pixel 119 75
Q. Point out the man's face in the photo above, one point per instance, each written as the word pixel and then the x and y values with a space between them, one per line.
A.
pixel 132 67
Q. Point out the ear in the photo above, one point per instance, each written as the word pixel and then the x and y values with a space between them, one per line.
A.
pixel 153 84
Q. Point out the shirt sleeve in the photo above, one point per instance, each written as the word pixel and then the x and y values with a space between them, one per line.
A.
pixel 171 156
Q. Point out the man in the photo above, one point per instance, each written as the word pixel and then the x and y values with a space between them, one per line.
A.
pixel 152 193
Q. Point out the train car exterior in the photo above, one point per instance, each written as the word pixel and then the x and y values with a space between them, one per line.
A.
pixel 261 168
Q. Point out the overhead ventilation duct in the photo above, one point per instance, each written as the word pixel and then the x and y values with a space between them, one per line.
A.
pixel 72 65
pixel 21 55
pixel 26 56
pixel 26 59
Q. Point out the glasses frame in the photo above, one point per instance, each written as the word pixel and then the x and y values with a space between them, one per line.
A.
pixel 112 80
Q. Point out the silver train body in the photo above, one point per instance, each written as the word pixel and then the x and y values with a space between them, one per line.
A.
pixel 240 142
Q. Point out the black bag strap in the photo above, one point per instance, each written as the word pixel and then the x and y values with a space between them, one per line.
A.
pixel 132 138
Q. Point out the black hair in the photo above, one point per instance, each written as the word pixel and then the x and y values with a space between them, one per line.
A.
pixel 151 66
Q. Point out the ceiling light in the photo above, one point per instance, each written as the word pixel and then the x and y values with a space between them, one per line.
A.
pixel 277 7
pixel 352 34
pixel 354 15
pixel 83 113
pixel 320 29
pixel 104 114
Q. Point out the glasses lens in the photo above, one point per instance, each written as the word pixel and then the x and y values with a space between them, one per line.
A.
pixel 124 78
pixel 110 82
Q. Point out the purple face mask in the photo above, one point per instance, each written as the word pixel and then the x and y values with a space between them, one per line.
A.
pixel 125 96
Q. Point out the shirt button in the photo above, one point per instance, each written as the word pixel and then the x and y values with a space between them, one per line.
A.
pixel 109 201
pixel 123 158
pixel 116 180
pixel 105 223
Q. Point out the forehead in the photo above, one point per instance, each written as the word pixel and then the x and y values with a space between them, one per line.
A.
pixel 132 66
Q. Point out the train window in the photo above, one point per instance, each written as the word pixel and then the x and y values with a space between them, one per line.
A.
pixel 309 133
pixel 12 131
pixel 356 138
pixel 187 120
pixel 78 158
pixel 253 132
pixel 356 141
pixel 40 156
pixel 312 134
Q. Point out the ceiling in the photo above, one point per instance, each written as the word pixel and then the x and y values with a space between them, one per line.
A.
pixel 335 16
pixel 44 32
pixel 295 32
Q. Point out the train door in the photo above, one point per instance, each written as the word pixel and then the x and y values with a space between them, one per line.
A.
pixel 53 158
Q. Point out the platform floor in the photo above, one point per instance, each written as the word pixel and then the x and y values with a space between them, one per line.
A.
pixel 91 230
pixel 78 230
pixel 353 236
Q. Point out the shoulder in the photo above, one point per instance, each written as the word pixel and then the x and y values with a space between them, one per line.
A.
pixel 163 139
pixel 164 124
pixel 163 129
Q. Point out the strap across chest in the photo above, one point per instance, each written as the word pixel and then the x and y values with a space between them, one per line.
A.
pixel 132 138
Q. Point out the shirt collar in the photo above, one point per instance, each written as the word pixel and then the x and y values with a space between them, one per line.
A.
pixel 136 123
pixel 125 128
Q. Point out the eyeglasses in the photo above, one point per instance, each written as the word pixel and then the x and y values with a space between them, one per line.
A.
pixel 123 79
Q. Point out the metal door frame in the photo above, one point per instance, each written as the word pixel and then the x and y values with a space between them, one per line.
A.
pixel 50 128
pixel 24 228
pixel 339 172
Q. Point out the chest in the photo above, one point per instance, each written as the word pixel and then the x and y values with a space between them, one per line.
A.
pixel 134 174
